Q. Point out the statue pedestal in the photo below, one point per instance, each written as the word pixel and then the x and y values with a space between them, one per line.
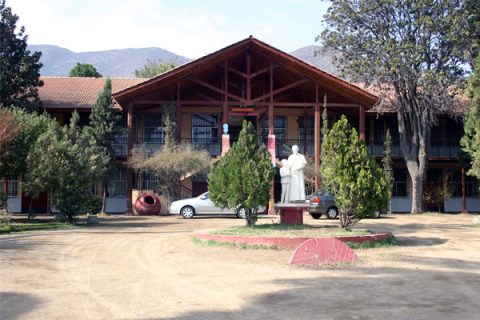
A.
pixel 291 213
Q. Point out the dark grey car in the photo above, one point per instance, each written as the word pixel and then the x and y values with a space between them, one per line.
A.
pixel 322 203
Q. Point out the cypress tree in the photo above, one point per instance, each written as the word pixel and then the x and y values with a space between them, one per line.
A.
pixel 242 177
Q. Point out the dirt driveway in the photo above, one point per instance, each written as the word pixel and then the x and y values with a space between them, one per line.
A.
pixel 149 268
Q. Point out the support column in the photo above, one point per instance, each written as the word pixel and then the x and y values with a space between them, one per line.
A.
pixel 178 115
pixel 362 123
pixel 130 171
pixel 316 139
pixel 271 130
pixel 464 198
pixel 225 108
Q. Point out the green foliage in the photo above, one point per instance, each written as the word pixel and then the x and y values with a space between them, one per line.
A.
pixel 19 227
pixel 13 157
pixel 387 160
pixel 63 163
pixel 242 178
pixel 154 68
pixel 324 123
pixel 351 174
pixel 19 68
pixel 100 132
pixel 172 162
pixel 391 242
pixel 84 70
pixel 471 139
pixel 10 127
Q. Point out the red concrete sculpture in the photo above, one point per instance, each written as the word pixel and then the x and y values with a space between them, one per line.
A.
pixel 318 251
pixel 147 204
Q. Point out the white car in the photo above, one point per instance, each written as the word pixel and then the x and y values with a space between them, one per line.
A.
pixel 202 204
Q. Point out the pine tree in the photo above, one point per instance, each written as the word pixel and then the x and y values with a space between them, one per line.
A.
pixel 324 123
pixel 471 139
pixel 101 132
pixel 242 177
pixel 19 69
pixel 387 159
pixel 352 175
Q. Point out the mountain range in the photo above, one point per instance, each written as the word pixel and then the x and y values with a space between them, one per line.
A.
pixel 58 61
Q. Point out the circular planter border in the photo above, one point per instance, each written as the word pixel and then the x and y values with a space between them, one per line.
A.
pixel 286 242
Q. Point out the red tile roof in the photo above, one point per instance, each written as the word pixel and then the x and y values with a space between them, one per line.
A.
pixel 78 92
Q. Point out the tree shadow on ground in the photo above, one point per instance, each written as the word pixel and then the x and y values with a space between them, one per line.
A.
pixel 412 241
pixel 359 293
pixel 14 305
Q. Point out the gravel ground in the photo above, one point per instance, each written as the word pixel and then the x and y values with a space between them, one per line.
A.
pixel 149 268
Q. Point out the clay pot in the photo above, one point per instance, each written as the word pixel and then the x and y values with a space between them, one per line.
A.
pixel 147 203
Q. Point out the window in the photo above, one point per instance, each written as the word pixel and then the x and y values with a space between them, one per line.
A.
pixel 280 128
pixel 153 131
pixel 471 185
pixel 400 183
pixel 149 181
pixel 117 185
pixel 306 128
pixel 12 187
pixel 204 128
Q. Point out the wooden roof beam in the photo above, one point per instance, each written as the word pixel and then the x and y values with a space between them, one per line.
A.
pixel 282 89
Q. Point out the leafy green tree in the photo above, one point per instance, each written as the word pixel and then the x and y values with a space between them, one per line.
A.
pixel 352 175
pixel 101 131
pixel 154 68
pixel 62 163
pixel 84 70
pixel 172 162
pixel 413 49
pixel 19 68
pixel 387 159
pixel 9 128
pixel 242 178
pixel 13 158
pixel 471 139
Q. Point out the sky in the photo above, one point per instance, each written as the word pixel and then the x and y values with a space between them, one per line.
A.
pixel 186 27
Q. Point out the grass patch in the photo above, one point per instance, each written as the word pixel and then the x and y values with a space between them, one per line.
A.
pixel 377 244
pixel 19 227
pixel 475 226
pixel 213 243
pixel 286 230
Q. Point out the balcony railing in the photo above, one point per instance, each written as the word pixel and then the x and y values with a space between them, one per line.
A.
pixel 444 150
pixel 211 145
pixel 440 151
pixel 150 144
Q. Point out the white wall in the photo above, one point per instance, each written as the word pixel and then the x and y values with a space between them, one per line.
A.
pixel 455 204
pixel 14 204
pixel 401 204
pixel 115 205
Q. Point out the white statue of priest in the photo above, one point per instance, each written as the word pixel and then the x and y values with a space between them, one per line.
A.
pixel 296 163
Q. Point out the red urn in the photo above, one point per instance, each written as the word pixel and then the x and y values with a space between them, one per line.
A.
pixel 147 204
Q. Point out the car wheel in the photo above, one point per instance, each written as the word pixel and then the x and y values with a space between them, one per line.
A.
pixel 187 212
pixel 241 213
pixel 332 213
pixel 315 215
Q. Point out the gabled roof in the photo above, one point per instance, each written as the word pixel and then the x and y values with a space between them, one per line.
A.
pixel 77 92
pixel 327 80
